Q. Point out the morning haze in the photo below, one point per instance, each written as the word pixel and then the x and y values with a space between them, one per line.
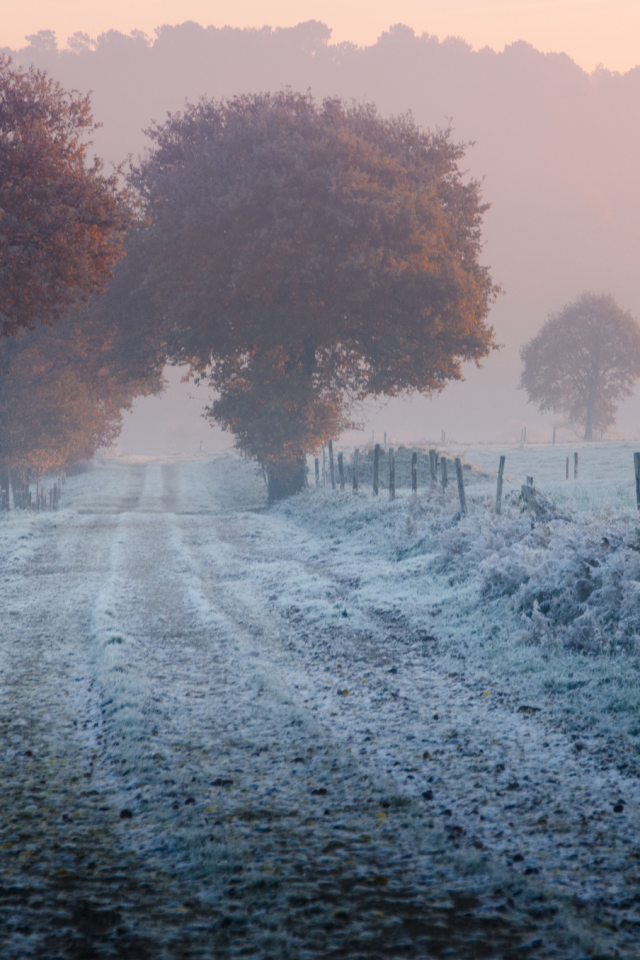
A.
pixel 329 695
pixel 556 149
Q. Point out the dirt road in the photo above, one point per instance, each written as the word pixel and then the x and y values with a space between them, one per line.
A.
pixel 196 764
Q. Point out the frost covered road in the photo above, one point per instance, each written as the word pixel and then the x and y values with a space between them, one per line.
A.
pixel 230 732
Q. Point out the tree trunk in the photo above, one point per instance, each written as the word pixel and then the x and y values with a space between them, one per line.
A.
pixel 591 404
pixel 4 480
pixel 286 478
pixel 588 430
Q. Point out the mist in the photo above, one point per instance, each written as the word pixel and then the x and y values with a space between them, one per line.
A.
pixel 554 146
pixel 386 703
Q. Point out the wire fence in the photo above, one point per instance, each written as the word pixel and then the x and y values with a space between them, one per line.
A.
pixel 379 470
pixel 21 496
pixel 411 466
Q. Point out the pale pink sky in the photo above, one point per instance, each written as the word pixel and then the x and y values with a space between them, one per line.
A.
pixel 590 31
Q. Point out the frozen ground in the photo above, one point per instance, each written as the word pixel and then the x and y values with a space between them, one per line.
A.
pixel 341 727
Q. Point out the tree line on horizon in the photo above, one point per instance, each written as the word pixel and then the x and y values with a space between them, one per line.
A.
pixel 299 256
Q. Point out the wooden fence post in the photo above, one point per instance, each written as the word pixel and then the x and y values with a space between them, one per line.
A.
pixel 553 442
pixel 376 468
pixel 636 464
pixel 443 470
pixel 461 493
pixel 432 467
pixel 356 470
pixel 317 472
pixel 392 473
pixel 341 470
pixel 331 470
pixel 499 488
pixel 324 467
pixel 567 468
pixel 575 466
pixel 414 472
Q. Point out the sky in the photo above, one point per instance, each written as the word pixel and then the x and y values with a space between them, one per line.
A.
pixel 592 32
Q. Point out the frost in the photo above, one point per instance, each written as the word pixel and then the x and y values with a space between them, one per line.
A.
pixel 178 651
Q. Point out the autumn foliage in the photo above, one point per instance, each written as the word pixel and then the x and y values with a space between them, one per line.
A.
pixel 66 373
pixel 61 219
pixel 308 256
pixel 62 393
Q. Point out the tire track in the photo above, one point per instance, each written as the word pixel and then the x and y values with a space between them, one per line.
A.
pixel 65 881
pixel 204 802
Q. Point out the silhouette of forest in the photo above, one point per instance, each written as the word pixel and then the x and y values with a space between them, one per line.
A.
pixel 557 147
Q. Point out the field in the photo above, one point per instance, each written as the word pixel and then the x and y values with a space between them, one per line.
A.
pixel 338 727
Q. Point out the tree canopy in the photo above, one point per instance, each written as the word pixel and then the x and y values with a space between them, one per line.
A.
pixel 309 256
pixel 61 219
pixel 63 389
pixel 583 361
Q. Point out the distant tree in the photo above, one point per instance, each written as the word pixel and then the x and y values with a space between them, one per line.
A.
pixel 61 220
pixel 583 361
pixel 313 256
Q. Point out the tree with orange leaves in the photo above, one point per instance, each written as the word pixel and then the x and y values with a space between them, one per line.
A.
pixel 61 219
pixel 63 389
pixel 309 256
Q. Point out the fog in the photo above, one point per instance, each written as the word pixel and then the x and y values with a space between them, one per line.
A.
pixel 397 714
pixel 556 148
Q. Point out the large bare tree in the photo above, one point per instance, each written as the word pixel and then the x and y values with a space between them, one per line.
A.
pixel 583 361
